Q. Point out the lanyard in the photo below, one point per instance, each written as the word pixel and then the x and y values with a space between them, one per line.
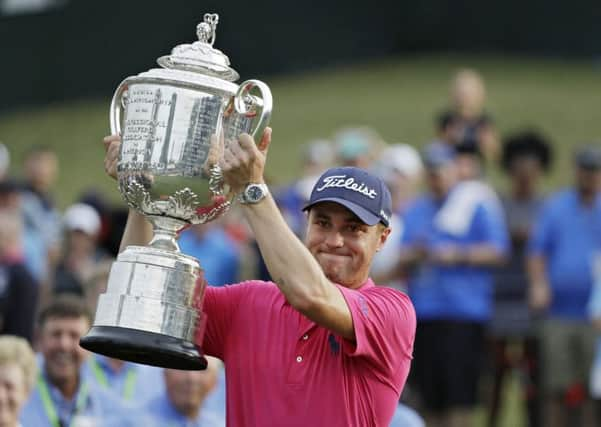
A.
pixel 49 407
pixel 129 383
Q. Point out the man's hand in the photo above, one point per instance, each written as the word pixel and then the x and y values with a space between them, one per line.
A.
pixel 539 296
pixel 112 144
pixel 243 162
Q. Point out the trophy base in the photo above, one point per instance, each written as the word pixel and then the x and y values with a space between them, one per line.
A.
pixel 144 347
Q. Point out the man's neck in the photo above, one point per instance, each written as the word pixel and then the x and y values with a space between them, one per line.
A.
pixel 68 388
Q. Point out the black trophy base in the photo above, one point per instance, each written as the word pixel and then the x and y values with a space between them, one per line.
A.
pixel 144 347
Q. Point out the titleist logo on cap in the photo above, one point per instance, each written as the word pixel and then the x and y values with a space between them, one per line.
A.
pixel 341 181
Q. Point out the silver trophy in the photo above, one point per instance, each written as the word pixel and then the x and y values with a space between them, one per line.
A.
pixel 151 311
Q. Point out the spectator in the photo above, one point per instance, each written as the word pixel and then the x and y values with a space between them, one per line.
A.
pixel 525 156
pixel 400 167
pixel 17 377
pixel 452 243
pixel 62 395
pixel 81 256
pixel 218 253
pixel 357 147
pixel 41 168
pixel 18 289
pixel 564 240
pixel 465 122
pixel 4 161
pixel 132 383
pixel 181 402
pixel 33 248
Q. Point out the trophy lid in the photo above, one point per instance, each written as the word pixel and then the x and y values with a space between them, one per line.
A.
pixel 201 56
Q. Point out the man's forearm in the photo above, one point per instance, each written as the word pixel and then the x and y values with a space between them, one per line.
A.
pixel 290 264
pixel 537 271
pixel 138 231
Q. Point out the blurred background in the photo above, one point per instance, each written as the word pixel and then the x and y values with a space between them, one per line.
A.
pixel 389 69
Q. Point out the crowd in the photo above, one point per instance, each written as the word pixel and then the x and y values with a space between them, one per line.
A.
pixel 502 280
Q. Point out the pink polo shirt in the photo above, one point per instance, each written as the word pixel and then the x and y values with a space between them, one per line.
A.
pixel 283 370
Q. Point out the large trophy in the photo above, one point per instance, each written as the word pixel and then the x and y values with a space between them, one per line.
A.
pixel 151 312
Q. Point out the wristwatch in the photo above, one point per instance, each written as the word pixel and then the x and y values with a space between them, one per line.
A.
pixel 253 193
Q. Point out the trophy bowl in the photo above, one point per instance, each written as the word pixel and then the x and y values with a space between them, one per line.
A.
pixel 168 117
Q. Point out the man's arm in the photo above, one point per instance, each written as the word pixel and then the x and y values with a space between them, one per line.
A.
pixel 539 291
pixel 293 268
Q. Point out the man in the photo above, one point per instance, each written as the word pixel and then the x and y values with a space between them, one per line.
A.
pixel 321 346
pixel 561 252
pixel 61 396
pixel 181 404
pixel 452 240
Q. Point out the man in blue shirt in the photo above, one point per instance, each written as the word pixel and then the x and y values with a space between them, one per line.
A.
pixel 181 403
pixel 62 397
pixel 560 269
pixel 454 235
pixel 217 252
pixel 131 383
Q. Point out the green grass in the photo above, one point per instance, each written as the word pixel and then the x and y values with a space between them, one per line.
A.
pixel 398 97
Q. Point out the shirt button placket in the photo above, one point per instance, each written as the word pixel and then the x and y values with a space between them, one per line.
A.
pixel 299 359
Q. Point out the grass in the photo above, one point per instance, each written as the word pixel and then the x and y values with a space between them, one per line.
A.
pixel 399 97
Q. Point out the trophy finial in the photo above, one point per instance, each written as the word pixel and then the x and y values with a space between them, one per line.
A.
pixel 206 30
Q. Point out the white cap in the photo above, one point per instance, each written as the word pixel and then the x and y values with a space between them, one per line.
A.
pixel 399 158
pixel 82 217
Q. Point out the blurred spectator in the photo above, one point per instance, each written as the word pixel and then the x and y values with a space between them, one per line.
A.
pixel 317 157
pixel 81 255
pixel 4 161
pixel 33 248
pixel 357 146
pixel 452 239
pixel 466 122
pixel 132 383
pixel 17 376
pixel 404 416
pixel 525 156
pixel 18 289
pixel 400 167
pixel 185 392
pixel 218 253
pixel 564 240
pixel 40 170
pixel 63 396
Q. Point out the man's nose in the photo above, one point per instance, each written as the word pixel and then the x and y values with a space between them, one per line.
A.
pixel 334 239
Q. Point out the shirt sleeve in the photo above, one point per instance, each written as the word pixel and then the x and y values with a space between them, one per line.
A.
pixel 541 239
pixel 219 306
pixel 384 323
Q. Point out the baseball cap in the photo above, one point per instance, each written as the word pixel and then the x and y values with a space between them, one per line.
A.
pixel 589 158
pixel 82 217
pixel 399 158
pixel 437 155
pixel 356 189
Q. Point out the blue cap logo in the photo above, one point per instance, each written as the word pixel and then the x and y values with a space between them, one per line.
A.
pixel 359 191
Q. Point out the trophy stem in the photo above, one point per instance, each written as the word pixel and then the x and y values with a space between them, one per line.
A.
pixel 165 232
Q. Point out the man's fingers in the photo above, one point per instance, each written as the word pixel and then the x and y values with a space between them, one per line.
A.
pixel 108 140
pixel 265 140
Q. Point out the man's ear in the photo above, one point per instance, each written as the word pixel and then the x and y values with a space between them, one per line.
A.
pixel 384 233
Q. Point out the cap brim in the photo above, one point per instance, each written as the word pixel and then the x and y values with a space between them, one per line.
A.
pixel 364 215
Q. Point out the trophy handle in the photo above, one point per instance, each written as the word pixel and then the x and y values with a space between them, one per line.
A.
pixel 116 109
pixel 246 104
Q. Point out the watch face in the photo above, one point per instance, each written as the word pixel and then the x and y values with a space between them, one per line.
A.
pixel 254 193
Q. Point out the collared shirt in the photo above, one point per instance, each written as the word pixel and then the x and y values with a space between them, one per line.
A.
pixel 47 407
pixel 133 383
pixel 568 235
pixel 284 370
pixel 160 412
pixel 460 292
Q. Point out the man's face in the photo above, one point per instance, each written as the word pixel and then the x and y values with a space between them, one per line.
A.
pixel 42 169
pixel 59 343
pixel 440 179
pixel 588 181
pixel 13 393
pixel 342 244
pixel 188 389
